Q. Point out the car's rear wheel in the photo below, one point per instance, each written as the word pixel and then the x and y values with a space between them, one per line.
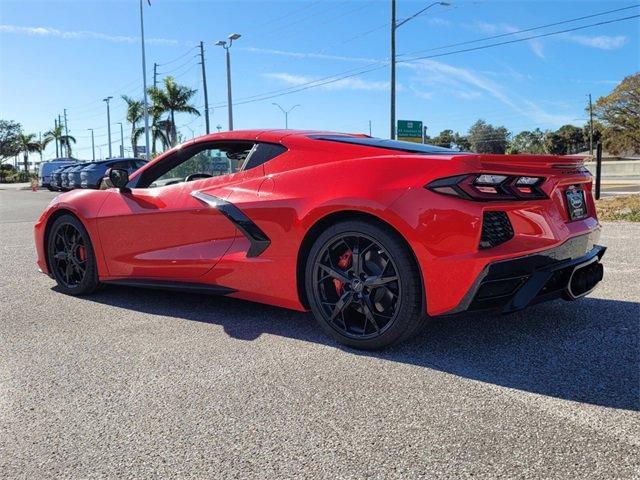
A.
pixel 71 257
pixel 363 285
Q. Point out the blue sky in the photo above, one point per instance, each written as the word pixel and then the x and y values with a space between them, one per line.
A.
pixel 56 55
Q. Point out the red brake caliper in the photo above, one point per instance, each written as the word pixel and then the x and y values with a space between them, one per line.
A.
pixel 82 253
pixel 344 262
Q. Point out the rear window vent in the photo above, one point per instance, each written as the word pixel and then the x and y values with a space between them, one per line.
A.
pixel 496 229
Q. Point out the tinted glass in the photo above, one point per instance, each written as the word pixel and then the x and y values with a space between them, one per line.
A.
pixel 389 144
pixel 263 152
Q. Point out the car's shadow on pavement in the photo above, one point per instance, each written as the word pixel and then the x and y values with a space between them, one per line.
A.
pixel 585 351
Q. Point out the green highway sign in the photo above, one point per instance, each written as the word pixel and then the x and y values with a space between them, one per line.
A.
pixel 409 128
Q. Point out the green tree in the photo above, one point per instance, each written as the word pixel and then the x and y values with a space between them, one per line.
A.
pixel 171 99
pixel 573 138
pixel 9 133
pixel 619 112
pixel 27 144
pixel 485 138
pixel 527 142
pixel 61 139
pixel 461 142
pixel 554 143
pixel 135 113
pixel 444 139
pixel 159 130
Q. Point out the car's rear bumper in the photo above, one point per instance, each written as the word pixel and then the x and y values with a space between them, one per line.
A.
pixel 570 270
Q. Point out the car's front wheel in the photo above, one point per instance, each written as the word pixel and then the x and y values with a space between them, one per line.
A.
pixel 363 285
pixel 70 256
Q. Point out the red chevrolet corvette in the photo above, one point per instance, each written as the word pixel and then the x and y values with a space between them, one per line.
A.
pixel 373 236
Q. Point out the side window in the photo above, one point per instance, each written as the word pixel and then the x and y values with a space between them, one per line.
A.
pixel 122 165
pixel 263 152
pixel 198 161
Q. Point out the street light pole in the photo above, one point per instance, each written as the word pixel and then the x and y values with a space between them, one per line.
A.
pixel 144 87
pixel 121 140
pixel 204 89
pixel 286 114
pixel 93 145
pixel 108 123
pixel 227 45
pixel 394 26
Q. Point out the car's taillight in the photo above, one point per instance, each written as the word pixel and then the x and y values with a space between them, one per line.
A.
pixel 490 186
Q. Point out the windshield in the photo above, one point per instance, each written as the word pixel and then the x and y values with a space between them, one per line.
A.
pixel 398 145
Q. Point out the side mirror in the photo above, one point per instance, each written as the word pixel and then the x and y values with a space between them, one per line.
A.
pixel 118 177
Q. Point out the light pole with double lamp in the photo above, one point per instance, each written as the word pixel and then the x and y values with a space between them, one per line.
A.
pixel 286 114
pixel 227 45
pixel 394 26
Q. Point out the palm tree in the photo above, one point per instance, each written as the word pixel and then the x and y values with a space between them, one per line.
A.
pixel 66 141
pixel 61 139
pixel 135 112
pixel 55 134
pixel 159 130
pixel 171 99
pixel 27 144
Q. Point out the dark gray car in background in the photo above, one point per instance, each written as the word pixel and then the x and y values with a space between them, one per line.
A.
pixel 56 177
pixel 91 175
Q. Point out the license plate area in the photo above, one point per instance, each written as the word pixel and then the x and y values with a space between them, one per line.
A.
pixel 576 204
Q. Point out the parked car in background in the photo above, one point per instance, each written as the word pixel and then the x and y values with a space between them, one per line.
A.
pixel 55 182
pixel 91 175
pixel 73 175
pixel 47 168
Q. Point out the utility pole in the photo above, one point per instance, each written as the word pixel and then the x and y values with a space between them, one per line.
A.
pixel 144 87
pixel 108 123
pixel 204 89
pixel 155 75
pixel 61 142
pixel 121 140
pixel 394 26
pixel 393 70
pixel 55 124
pixel 40 140
pixel 590 126
pixel 227 45
pixel 369 127
pixel 93 145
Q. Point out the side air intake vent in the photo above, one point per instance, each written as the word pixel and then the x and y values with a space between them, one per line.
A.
pixel 496 229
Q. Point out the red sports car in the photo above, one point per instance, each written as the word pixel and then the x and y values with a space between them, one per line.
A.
pixel 371 235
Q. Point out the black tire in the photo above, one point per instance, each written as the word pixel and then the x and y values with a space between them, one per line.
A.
pixel 71 257
pixel 370 317
pixel 50 188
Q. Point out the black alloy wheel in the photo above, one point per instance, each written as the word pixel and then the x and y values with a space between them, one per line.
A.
pixel 70 256
pixel 363 285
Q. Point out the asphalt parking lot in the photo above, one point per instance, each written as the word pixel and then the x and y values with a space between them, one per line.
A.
pixel 135 384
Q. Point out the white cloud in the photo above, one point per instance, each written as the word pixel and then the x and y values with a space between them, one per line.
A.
pixel 352 83
pixel 603 42
pixel 501 28
pixel 439 22
pixel 318 56
pixel 470 84
pixel 82 35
